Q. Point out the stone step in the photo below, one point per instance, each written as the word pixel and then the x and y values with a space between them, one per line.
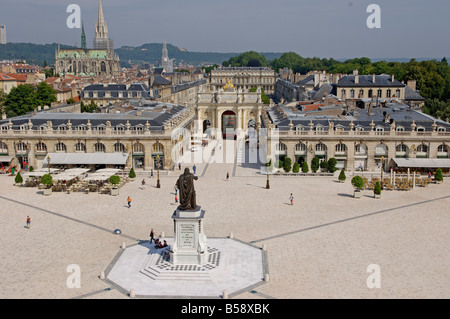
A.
pixel 158 274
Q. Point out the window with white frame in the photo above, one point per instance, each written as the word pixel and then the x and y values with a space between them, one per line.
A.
pixel 99 148
pixel 80 147
pixel 41 147
pixel 60 147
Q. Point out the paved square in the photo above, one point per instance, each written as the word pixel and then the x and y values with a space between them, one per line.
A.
pixel 320 247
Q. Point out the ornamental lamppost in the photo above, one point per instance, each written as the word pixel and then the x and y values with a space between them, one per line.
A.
pixel 48 163
pixel 158 185
pixel 268 167
pixel 382 169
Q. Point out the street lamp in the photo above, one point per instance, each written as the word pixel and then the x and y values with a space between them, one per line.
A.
pixel 267 181
pixel 382 169
pixel 48 163
pixel 158 185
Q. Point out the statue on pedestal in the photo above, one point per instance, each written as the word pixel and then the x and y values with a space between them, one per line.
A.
pixel 185 185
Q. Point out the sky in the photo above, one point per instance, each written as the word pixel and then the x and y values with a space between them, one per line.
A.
pixel 322 28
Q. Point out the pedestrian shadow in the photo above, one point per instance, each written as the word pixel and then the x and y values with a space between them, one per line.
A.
pixel 287 203
pixel 345 195
pixel 259 186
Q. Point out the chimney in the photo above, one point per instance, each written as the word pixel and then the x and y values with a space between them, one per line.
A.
pixel 356 74
pixel 393 78
pixel 4 116
pixel 373 78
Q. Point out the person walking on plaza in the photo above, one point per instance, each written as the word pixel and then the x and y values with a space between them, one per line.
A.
pixel 152 236
pixel 129 201
pixel 194 168
pixel 151 173
pixel 291 198
pixel 179 166
pixel 28 222
pixel 176 198
pixel 228 176
pixel 143 184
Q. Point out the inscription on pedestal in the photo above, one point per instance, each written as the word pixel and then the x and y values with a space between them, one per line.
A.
pixel 187 236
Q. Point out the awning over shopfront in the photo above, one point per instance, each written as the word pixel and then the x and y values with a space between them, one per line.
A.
pixel 87 158
pixel 422 162
pixel 5 158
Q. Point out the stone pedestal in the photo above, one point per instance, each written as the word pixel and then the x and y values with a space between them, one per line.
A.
pixel 190 242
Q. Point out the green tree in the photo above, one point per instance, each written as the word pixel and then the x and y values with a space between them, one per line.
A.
pixel 305 168
pixel 45 94
pixel 250 58
pixel 296 168
pixel 2 101
pixel 439 176
pixel 287 164
pixel 315 164
pixel 377 188
pixel 332 162
pixel 358 182
pixel 18 179
pixel 324 165
pixel 114 180
pixel 88 108
pixel 20 100
pixel 342 176
pixel 132 174
pixel 47 180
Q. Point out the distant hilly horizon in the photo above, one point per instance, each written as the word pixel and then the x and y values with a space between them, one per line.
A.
pixel 148 53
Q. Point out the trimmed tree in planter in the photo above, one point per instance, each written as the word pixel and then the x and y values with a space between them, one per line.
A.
pixel 358 183
pixel 114 180
pixel 18 179
pixel 47 180
pixel 342 176
pixel 296 168
pixel 287 164
pixel 439 177
pixel 323 166
pixel 377 190
pixel 332 162
pixel 132 173
pixel 305 168
pixel 315 164
pixel 279 164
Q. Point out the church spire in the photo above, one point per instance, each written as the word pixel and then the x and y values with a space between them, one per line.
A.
pixel 101 30
pixel 83 37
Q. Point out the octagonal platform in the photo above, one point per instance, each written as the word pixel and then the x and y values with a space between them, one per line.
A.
pixel 233 266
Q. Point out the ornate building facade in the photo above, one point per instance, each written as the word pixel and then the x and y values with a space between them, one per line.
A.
pixel 243 78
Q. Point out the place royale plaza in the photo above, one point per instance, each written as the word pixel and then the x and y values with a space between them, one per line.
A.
pixel 155 135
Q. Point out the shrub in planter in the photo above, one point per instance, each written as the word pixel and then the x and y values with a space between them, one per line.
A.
pixel 279 164
pixel 31 169
pixel 377 189
pixel 438 176
pixel 114 180
pixel 132 173
pixel 305 168
pixel 342 176
pixel 296 168
pixel 315 164
pixel 18 179
pixel 287 164
pixel 324 166
pixel 358 182
pixel 47 180
pixel 332 162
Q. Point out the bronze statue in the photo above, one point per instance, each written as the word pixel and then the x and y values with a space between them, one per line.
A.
pixel 185 185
